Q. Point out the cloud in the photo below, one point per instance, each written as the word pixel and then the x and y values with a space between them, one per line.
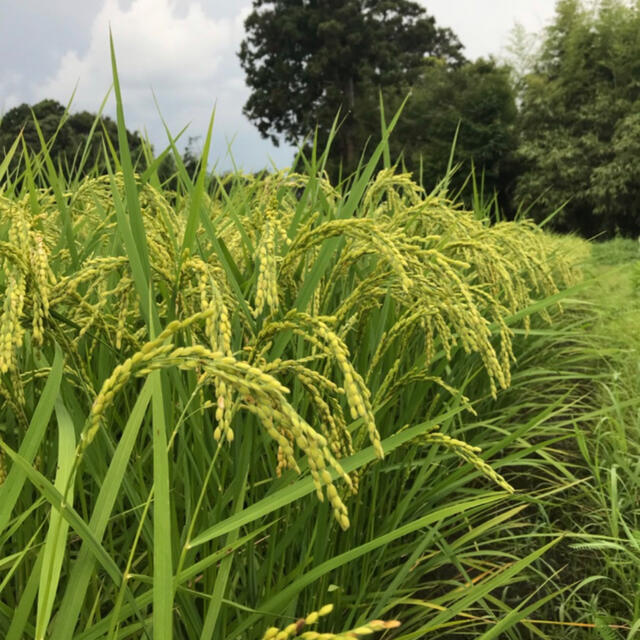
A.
pixel 154 46
pixel 484 28
pixel 180 53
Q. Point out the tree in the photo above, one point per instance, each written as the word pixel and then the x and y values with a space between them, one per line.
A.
pixel 71 138
pixel 579 122
pixel 521 54
pixel 478 101
pixel 306 60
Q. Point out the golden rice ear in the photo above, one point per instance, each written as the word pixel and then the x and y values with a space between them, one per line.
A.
pixel 11 331
pixel 469 454
pixel 299 629
pixel 267 285
pixel 450 279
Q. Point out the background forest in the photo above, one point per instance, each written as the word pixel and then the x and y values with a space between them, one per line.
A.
pixel 554 127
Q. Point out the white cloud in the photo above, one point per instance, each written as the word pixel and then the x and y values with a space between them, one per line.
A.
pixel 485 27
pixel 184 56
pixel 154 47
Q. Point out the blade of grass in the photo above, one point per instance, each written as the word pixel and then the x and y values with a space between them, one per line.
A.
pixel 132 218
pixel 478 591
pixel 197 194
pixel 518 614
pixel 58 188
pixel 20 620
pixel 6 161
pixel 474 533
pixel 275 603
pixel 131 190
pixel 162 530
pixel 346 210
pixel 57 501
pixel 222 579
pixel 55 543
pixel 67 615
pixel 141 281
pixel 10 489
pixel 92 130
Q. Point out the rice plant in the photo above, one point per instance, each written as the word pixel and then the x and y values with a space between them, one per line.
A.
pixel 235 403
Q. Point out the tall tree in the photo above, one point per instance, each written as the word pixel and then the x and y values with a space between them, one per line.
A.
pixel 306 60
pixel 579 122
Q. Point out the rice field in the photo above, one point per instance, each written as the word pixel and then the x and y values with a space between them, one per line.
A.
pixel 276 407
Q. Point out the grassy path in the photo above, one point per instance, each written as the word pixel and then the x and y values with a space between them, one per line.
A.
pixel 608 554
pixel 578 384
pixel 615 267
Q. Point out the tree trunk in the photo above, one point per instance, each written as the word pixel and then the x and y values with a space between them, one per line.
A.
pixel 349 127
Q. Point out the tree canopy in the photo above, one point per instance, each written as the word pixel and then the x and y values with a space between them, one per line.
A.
pixel 580 120
pixel 476 100
pixel 71 138
pixel 305 61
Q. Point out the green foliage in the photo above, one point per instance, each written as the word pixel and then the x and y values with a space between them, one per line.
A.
pixel 70 136
pixel 616 251
pixel 579 122
pixel 305 62
pixel 69 133
pixel 602 512
pixel 477 101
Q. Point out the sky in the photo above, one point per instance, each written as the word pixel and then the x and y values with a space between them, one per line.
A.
pixel 177 61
